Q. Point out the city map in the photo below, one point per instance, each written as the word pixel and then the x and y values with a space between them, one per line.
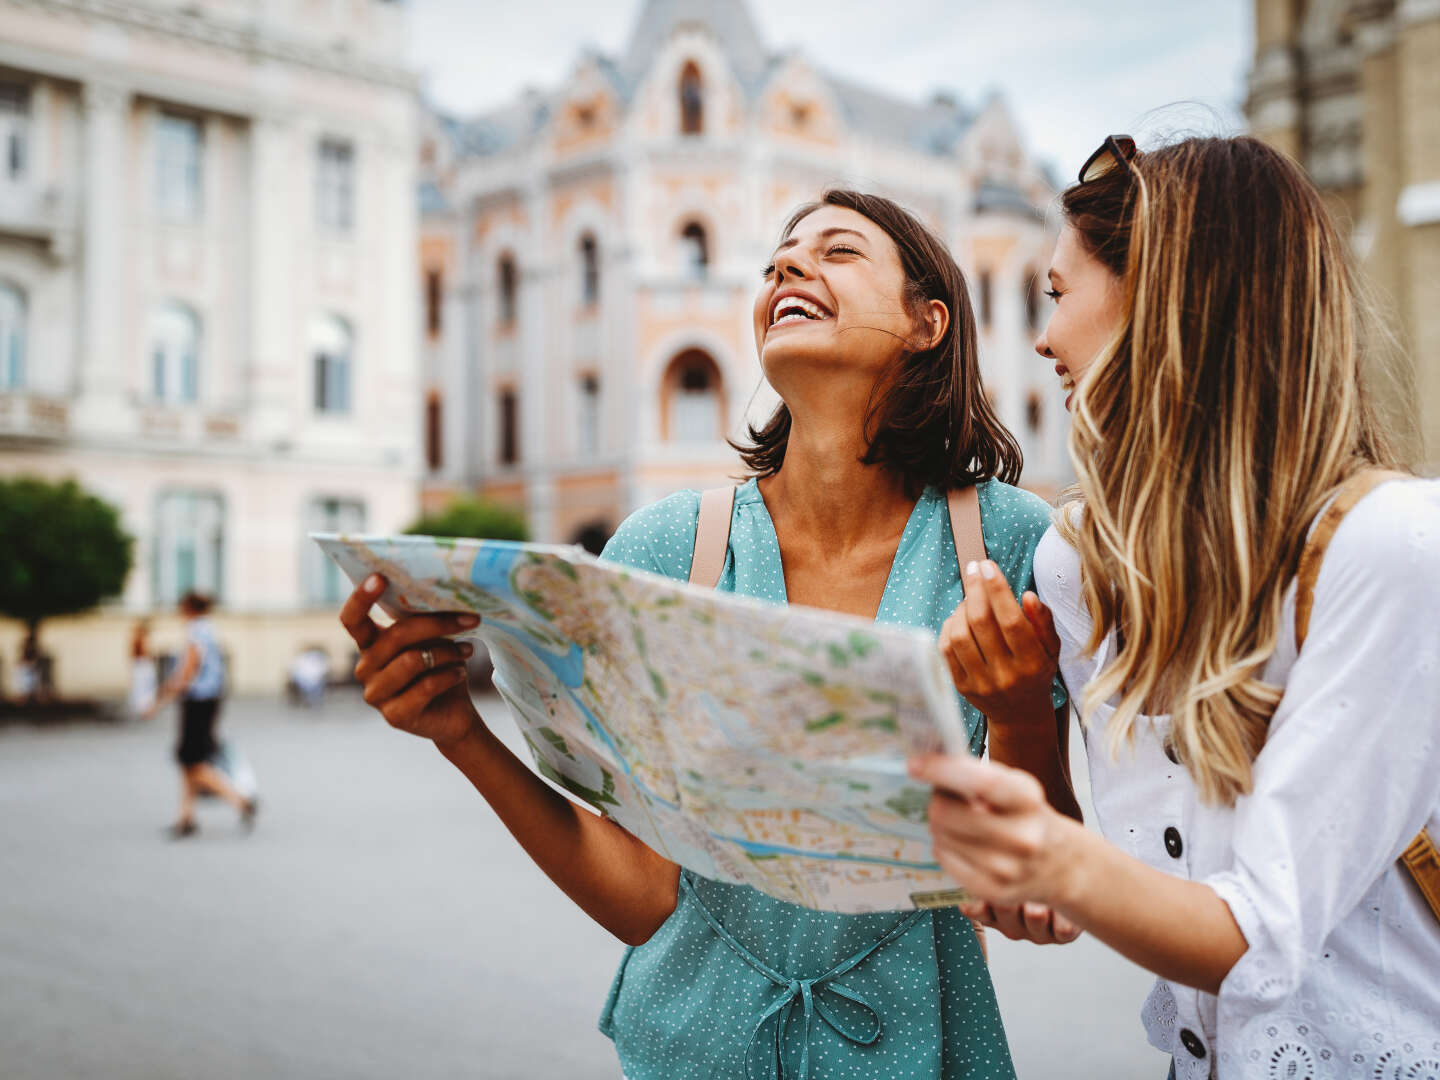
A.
pixel 748 742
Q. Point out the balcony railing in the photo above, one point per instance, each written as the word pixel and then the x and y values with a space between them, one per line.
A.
pixel 33 416
pixel 46 214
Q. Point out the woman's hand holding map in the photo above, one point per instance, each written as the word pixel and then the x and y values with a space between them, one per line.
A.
pixel 413 675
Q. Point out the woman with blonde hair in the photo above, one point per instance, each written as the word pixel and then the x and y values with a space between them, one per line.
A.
pixel 1245 606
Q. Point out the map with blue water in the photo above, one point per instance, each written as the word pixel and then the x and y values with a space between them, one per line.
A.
pixel 750 743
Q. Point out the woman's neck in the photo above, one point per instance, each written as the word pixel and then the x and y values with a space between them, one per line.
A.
pixel 823 489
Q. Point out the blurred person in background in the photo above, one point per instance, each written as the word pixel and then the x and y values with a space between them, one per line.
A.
pixel 1247 600
pixel 199 683
pixel 864 328
pixel 143 676
pixel 309 673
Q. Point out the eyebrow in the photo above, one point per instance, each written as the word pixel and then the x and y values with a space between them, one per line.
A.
pixel 824 235
pixel 1055 275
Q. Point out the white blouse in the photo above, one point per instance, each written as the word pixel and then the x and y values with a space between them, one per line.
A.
pixel 1341 975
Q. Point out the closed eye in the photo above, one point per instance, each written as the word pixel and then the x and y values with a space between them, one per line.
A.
pixel 769 269
pixel 1053 294
pixel 843 249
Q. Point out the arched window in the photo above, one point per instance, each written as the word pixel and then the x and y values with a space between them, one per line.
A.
pixel 12 337
pixel 593 536
pixel 694 251
pixel 332 344
pixel 189 545
pixel 174 354
pixel 587 431
pixel 1032 299
pixel 692 100
pixel 509 288
pixel 693 405
pixel 589 270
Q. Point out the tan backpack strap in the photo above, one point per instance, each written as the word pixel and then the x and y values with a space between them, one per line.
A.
pixel 1350 493
pixel 712 536
pixel 1421 858
pixel 969 538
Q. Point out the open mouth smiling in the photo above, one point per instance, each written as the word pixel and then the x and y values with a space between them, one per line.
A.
pixel 793 307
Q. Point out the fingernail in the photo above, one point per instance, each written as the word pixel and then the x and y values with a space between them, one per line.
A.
pixel 971 567
pixel 466 649
pixel 987 569
pixel 372 583
pixel 467 620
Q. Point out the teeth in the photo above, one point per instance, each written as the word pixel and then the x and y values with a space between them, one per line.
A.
pixel 796 307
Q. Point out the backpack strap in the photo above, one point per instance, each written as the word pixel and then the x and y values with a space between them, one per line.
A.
pixel 712 536
pixel 1421 858
pixel 964 504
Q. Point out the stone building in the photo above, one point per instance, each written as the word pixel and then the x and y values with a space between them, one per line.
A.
pixel 202 315
pixel 1351 88
pixel 589 255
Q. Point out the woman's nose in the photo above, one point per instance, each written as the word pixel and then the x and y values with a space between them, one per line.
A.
pixel 1042 345
pixel 788 266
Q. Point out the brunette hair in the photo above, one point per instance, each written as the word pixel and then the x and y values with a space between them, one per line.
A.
pixel 1209 432
pixel 928 419
pixel 195 603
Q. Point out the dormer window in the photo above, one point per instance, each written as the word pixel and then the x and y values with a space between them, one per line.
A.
pixel 692 101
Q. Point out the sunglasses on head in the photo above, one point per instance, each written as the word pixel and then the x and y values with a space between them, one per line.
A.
pixel 1116 150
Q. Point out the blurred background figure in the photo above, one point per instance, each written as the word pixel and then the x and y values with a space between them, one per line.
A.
pixel 144 674
pixel 309 674
pixel 199 684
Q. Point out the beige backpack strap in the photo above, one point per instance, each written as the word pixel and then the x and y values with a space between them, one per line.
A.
pixel 712 536
pixel 969 538
pixel 1421 858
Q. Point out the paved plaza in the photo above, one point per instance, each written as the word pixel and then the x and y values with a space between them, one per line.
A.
pixel 378 923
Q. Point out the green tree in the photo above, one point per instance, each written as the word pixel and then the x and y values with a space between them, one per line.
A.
pixel 474 518
pixel 62 551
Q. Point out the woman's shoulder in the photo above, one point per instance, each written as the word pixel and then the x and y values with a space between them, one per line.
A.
pixel 1389 540
pixel 658 537
pixel 1012 519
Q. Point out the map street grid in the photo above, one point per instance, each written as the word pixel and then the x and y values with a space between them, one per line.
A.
pixel 751 743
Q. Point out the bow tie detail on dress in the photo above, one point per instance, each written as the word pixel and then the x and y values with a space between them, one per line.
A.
pixel 808 994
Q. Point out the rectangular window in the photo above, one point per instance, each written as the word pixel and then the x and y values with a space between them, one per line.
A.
pixel 178 180
pixel 325 585
pixel 332 383
pixel 189 545
pixel 335 185
pixel 434 299
pixel 509 427
pixel 588 429
pixel 14 131
pixel 434 432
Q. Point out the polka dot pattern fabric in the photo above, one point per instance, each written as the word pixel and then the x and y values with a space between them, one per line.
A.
pixel 687 1003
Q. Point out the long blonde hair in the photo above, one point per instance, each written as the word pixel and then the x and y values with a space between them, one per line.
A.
pixel 1208 434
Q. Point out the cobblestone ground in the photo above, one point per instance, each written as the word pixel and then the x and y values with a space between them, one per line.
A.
pixel 377 923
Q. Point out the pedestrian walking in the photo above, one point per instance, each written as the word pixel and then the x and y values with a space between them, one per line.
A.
pixel 199 683
pixel 144 681
pixel 1245 602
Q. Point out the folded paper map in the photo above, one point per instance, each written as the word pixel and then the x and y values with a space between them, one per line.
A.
pixel 750 743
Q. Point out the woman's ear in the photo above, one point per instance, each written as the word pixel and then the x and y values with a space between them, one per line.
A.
pixel 937 321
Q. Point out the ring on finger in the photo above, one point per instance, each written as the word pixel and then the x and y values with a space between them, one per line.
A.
pixel 427 657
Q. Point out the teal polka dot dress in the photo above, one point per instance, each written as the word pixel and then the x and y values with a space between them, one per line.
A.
pixel 737 984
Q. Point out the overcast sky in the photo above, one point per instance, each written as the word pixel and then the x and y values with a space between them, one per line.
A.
pixel 1072 71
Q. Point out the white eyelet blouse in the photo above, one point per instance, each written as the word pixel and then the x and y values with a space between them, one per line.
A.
pixel 1341 976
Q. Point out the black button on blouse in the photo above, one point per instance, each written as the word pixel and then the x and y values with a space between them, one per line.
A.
pixel 1173 843
pixel 1192 1042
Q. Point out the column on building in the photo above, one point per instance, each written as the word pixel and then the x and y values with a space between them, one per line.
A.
pixel 104 364
pixel 273 390
pixel 1418 207
pixel 537 284
pixel 1274 108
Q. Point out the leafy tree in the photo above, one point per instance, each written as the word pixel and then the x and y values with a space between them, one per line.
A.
pixel 478 519
pixel 62 550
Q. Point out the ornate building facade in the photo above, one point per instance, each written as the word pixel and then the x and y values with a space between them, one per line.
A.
pixel 202 315
pixel 1351 89
pixel 589 256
